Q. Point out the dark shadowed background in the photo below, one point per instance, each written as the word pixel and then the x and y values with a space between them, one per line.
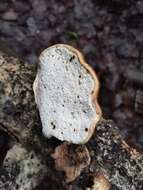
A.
pixel 108 32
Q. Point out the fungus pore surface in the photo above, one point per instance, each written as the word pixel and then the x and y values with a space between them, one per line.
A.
pixel 64 88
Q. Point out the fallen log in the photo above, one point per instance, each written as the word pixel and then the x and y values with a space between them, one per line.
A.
pixel 105 162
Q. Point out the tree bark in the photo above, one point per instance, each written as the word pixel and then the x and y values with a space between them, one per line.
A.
pixel 28 162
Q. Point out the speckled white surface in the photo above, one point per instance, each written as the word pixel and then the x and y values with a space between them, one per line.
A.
pixel 63 95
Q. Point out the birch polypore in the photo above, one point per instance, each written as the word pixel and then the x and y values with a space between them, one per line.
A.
pixel 66 89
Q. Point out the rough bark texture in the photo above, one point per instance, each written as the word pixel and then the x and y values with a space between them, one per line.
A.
pixel 111 158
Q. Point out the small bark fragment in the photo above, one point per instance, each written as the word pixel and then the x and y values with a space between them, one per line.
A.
pixel 71 159
pixel 99 182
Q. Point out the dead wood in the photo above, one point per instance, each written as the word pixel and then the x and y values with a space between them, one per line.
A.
pixel 113 164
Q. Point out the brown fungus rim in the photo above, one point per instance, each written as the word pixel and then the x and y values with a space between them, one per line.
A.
pixel 94 91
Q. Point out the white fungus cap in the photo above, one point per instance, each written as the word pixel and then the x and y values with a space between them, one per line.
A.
pixel 66 91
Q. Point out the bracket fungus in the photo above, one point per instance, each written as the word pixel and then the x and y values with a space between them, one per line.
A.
pixel 66 90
